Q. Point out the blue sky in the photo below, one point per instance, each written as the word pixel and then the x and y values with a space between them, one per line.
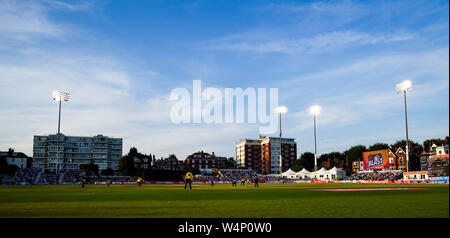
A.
pixel 121 59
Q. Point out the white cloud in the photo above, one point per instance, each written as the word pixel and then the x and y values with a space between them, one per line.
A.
pixel 26 20
pixel 318 43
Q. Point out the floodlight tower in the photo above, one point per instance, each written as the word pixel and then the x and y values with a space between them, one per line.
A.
pixel 281 110
pixel 403 87
pixel 315 111
pixel 59 96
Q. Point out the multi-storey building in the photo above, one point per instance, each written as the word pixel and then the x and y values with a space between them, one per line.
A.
pixel 203 161
pixel 76 150
pixel 263 154
pixel 393 161
pixel 401 159
pixel 248 154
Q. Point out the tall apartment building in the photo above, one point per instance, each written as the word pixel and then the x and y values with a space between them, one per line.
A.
pixel 76 150
pixel 248 154
pixel 263 155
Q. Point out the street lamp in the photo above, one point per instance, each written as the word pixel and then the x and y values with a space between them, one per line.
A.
pixel 281 110
pixel 59 96
pixel 403 87
pixel 315 110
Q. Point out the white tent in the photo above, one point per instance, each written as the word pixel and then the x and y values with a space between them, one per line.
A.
pixel 289 174
pixel 303 174
pixel 289 171
pixel 321 174
pixel 322 170
pixel 303 171
pixel 328 175
pixel 337 174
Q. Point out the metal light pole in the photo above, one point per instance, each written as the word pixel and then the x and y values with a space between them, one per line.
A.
pixel 59 96
pixel 315 110
pixel 403 87
pixel 280 110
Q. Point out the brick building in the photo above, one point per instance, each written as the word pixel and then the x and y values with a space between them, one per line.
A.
pixel 142 161
pixel 263 155
pixel 170 163
pixel 203 161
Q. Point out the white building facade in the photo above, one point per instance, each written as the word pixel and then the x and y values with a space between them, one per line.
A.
pixel 75 151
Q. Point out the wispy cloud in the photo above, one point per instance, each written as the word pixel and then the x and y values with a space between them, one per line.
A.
pixel 26 20
pixel 319 43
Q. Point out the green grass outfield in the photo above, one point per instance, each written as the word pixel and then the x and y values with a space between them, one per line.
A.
pixel 270 200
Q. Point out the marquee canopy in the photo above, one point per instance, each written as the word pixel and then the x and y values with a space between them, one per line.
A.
pixel 303 171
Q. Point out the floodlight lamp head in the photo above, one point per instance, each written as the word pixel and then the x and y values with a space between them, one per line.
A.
pixel 315 110
pixel 60 96
pixel 403 86
pixel 281 109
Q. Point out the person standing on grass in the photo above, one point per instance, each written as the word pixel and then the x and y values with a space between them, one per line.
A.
pixel 139 182
pixel 108 182
pixel 234 183
pixel 256 181
pixel 188 180
pixel 83 182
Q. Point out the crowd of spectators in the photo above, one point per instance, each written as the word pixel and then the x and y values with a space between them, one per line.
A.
pixel 376 176
pixel 71 174
pixel 49 178
pixel 237 174
pixel 205 178
pixel 113 179
pixel 76 175
pixel 27 175
pixel 269 179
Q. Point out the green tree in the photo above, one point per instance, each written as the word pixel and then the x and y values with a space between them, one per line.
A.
pixel 402 143
pixel 355 153
pixel 3 164
pixel 107 172
pixel 90 168
pixel 430 142
pixel 331 156
pixel 378 146
pixel 126 163
pixel 172 156
pixel 11 169
pixel 228 163
pixel 306 161
pixel 297 165
pixel 231 163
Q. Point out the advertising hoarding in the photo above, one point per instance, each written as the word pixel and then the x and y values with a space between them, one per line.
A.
pixel 376 160
pixel 438 165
